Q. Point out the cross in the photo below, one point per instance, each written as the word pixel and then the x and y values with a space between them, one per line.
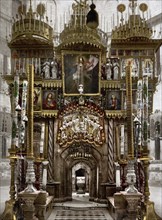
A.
pixel 133 5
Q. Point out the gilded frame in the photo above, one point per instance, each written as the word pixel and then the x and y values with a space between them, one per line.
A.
pixel 49 100
pixel 37 102
pixel 80 67
pixel 113 100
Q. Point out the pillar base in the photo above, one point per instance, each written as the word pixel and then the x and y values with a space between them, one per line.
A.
pixel 132 204
pixel 9 210
pixel 28 207
pixel 150 212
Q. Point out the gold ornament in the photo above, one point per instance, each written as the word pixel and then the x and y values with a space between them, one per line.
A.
pixel 22 9
pixel 121 8
pixel 41 9
pixel 143 7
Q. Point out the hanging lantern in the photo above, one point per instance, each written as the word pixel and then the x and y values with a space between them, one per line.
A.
pixel 92 17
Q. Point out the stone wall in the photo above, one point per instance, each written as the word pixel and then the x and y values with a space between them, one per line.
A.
pixel 155 173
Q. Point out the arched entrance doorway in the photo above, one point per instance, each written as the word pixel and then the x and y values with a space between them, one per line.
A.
pixel 81 174
pixel 80 140
pixel 82 167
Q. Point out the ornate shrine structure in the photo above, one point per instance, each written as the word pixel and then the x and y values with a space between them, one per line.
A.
pixel 80 110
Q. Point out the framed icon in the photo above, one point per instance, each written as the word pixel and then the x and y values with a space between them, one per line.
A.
pixel 113 99
pixel 81 69
pixel 49 101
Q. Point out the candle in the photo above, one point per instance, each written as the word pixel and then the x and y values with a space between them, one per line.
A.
pixel 34 23
pixel 117 175
pixel 23 24
pixel 81 17
pixel 117 142
pixel 122 140
pixel 39 63
pixel 42 138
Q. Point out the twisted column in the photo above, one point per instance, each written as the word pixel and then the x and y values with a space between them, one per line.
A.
pixel 145 116
pixel 110 151
pixel 139 109
pixel 50 149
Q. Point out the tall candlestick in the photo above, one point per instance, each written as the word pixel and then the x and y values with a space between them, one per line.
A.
pixel 118 19
pixel 80 17
pixel 30 73
pixel 30 22
pixel 23 23
pixel 129 111
pixel 117 142
pixel 34 23
pixel 16 91
pixel 75 18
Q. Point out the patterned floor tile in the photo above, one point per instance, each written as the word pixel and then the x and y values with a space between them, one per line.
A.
pixel 80 215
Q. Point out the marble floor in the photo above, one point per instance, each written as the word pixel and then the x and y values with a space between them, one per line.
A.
pixel 100 212
pixel 80 208
pixel 80 215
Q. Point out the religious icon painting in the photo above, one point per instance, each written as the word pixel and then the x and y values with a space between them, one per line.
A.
pixel 81 73
pixel 113 100
pixel 37 99
pixel 49 101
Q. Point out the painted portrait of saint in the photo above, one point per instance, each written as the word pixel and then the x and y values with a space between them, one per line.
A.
pixel 49 100
pixel 81 69
pixel 113 101
pixel 37 99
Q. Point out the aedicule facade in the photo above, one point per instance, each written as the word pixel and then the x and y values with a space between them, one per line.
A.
pixel 80 110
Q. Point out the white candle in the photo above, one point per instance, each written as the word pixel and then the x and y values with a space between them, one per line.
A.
pixel 23 23
pixel 39 65
pixel 122 140
pixel 117 175
pixel 42 137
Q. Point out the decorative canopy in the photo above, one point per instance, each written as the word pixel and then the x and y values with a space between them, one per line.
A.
pixel 31 27
pixel 136 26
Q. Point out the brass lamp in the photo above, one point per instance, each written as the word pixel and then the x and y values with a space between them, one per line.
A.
pixel 92 17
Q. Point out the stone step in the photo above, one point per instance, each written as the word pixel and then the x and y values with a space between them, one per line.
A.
pixel 79 208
